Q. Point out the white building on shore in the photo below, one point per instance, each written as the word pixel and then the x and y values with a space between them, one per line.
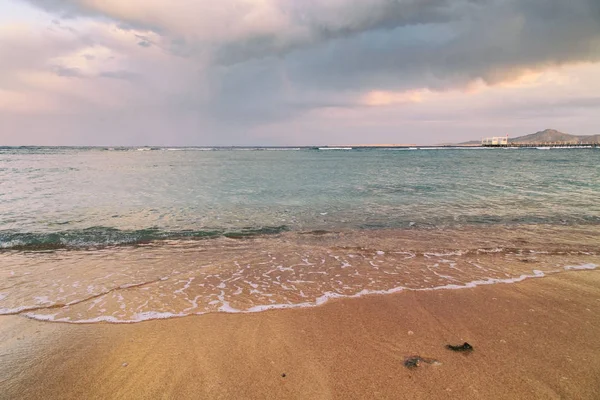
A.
pixel 495 141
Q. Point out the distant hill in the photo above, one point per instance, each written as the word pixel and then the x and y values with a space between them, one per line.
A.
pixel 547 136
pixel 552 135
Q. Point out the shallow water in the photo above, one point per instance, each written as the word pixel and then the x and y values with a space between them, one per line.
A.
pixel 82 197
pixel 93 235
pixel 178 278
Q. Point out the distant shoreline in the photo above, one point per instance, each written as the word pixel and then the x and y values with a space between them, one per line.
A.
pixel 316 148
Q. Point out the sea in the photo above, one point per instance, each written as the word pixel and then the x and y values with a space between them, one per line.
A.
pixel 125 235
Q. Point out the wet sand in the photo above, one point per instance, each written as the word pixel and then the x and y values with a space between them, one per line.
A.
pixel 289 270
pixel 533 339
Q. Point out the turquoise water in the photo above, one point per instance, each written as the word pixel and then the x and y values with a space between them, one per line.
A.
pixel 74 197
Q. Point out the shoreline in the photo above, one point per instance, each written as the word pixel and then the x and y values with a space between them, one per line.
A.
pixel 124 285
pixel 320 301
pixel 535 339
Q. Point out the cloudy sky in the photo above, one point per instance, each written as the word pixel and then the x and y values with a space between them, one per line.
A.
pixel 295 72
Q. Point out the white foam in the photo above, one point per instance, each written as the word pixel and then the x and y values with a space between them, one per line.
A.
pixel 495 250
pixel 488 281
pixel 283 269
pixel 41 317
pixel 580 267
pixel 147 315
pixel 409 254
pixel 186 286
pixel 139 317
pixel 365 292
pixel 452 253
pixel 42 300
pixel 194 304
pixel 225 307
pixel 276 307
pixel 128 285
pixel 95 302
pixel 448 277
pixel 16 310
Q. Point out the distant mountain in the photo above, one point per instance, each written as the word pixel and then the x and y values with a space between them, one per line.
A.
pixel 547 136
pixel 552 135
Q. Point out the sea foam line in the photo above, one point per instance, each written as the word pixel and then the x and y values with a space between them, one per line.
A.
pixel 324 298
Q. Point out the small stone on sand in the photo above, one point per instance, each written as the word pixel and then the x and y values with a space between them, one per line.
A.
pixel 415 361
pixel 412 362
pixel 464 347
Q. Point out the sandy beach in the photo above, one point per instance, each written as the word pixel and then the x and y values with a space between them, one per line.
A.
pixel 533 339
pixel 287 199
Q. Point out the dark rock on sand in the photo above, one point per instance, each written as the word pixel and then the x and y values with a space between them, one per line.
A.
pixel 464 347
pixel 414 361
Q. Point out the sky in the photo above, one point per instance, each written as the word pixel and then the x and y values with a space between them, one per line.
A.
pixel 295 72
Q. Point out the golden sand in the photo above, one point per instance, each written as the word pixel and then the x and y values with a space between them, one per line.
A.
pixel 534 339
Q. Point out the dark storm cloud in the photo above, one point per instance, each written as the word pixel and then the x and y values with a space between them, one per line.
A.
pixel 349 42
pixel 496 43
pixel 487 44
pixel 322 23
